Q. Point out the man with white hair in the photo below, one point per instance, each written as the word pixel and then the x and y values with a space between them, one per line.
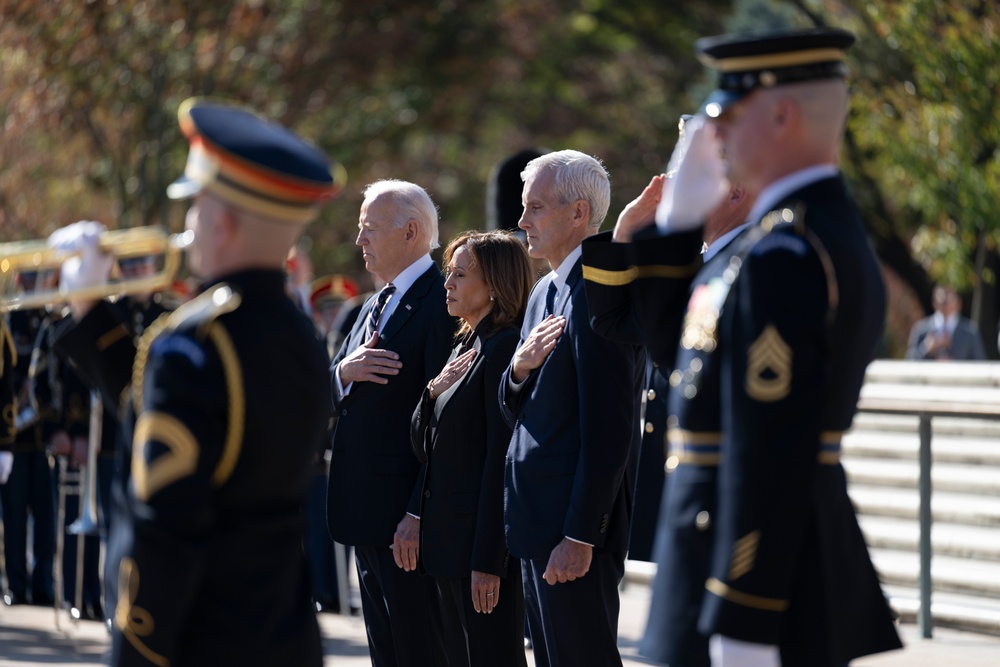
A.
pixel 572 399
pixel 401 339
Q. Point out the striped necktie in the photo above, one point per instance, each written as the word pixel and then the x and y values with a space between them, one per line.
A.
pixel 376 312
pixel 550 299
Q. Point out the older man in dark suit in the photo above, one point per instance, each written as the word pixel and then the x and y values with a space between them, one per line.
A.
pixel 401 339
pixel 572 399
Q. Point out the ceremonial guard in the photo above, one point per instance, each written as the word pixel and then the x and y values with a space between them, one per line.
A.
pixel 228 404
pixel 762 561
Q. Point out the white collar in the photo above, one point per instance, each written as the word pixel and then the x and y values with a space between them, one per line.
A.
pixel 560 274
pixel 409 275
pixel 712 249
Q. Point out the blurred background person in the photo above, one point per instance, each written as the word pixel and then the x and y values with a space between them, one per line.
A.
pixel 327 298
pixel 946 334
pixel 458 434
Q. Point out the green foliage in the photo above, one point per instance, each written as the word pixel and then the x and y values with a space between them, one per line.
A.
pixel 926 119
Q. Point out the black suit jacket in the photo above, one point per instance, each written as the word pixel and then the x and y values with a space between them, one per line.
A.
pixel 374 477
pixel 462 440
pixel 570 466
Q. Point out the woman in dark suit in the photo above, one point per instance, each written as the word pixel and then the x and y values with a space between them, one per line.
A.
pixel 459 436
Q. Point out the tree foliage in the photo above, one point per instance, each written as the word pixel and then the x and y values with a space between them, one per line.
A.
pixel 439 92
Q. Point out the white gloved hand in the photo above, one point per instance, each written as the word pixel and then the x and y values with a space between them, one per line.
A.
pixel 728 652
pixel 698 182
pixel 6 465
pixel 91 266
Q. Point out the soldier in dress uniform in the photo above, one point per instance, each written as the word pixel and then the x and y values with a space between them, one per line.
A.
pixel 228 404
pixel 28 490
pixel 63 402
pixel 762 561
pixel 8 403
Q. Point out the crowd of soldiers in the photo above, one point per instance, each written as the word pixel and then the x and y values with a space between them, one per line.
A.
pixel 737 294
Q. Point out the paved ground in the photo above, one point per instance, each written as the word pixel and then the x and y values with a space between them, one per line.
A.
pixel 29 638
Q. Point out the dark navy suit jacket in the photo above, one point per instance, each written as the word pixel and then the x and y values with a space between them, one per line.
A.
pixel 570 466
pixel 374 477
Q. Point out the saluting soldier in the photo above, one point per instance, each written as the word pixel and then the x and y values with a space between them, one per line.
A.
pixel 229 402
pixel 761 552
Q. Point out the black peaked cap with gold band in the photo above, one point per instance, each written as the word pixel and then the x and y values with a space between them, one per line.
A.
pixel 252 163
pixel 763 60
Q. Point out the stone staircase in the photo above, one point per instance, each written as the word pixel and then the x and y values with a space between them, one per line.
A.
pixel 880 456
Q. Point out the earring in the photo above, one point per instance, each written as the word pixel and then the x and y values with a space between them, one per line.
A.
pixel 492 298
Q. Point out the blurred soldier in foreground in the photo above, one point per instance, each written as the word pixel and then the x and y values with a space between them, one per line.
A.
pixel 761 553
pixel 229 403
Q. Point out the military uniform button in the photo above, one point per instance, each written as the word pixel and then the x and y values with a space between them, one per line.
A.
pixel 651 394
pixel 703 520
pixel 343 413
pixel 672 462
pixel 649 427
pixel 427 493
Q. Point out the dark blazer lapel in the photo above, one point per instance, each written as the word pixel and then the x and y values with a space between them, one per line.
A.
pixel 573 281
pixel 409 304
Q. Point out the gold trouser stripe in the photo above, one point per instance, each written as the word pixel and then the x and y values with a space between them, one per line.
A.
pixel 237 403
pixel 745 599
pixel 769 60
pixel 111 337
pixel 181 461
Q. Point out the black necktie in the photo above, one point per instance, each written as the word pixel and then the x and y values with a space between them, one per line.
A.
pixel 376 312
pixel 550 299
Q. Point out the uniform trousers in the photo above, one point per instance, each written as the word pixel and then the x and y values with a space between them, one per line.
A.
pixel 29 489
pixel 402 618
pixel 575 623
pixel 483 640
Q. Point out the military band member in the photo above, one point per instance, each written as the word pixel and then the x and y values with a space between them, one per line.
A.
pixel 762 553
pixel 228 404
pixel 28 491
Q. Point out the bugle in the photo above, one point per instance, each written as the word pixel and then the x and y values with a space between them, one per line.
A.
pixel 20 257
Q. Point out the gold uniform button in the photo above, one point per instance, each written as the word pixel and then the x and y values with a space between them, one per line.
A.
pixel 672 462
pixel 649 427
pixel 651 395
pixel 703 520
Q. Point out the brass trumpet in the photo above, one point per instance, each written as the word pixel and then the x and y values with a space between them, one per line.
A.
pixel 25 256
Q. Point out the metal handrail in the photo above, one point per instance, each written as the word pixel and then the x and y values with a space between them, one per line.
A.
pixel 926 401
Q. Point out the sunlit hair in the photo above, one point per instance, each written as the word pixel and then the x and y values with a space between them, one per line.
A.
pixel 577 176
pixel 412 202
pixel 506 268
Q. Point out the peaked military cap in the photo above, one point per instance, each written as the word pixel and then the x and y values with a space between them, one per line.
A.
pixel 255 164
pixel 337 287
pixel 750 61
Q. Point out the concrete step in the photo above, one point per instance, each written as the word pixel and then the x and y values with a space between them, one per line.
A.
pixel 984 374
pixel 880 423
pixel 968 449
pixel 948 610
pixel 947 507
pixel 945 476
pixel 947 539
pixel 949 574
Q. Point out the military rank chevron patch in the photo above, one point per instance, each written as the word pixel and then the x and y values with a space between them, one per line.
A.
pixel 769 367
